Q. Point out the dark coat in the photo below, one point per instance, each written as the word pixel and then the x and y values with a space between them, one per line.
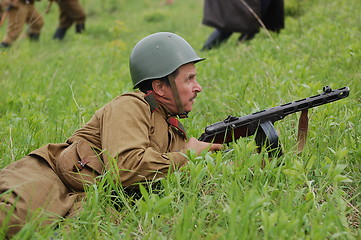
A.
pixel 235 16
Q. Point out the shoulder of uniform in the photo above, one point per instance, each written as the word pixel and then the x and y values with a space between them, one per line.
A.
pixel 135 98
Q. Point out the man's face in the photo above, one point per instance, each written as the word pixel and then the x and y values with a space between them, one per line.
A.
pixel 187 86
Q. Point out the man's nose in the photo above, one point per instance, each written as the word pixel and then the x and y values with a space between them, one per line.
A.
pixel 197 87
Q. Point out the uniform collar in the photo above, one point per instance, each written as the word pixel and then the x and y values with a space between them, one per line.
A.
pixel 162 109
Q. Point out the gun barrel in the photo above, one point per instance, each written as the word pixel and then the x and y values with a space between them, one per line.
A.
pixel 326 97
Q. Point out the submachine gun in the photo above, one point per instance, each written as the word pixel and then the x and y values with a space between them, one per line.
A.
pixel 261 123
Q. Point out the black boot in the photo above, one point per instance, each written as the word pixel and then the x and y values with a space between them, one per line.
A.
pixel 216 39
pixel 60 33
pixel 34 36
pixel 4 45
pixel 247 36
pixel 79 28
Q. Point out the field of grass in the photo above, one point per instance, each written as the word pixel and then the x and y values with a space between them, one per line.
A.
pixel 49 89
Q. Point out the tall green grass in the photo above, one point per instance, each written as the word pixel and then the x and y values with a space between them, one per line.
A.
pixel 50 88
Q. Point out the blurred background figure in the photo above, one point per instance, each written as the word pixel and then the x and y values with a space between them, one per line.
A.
pixel 243 16
pixel 168 2
pixel 18 13
pixel 70 12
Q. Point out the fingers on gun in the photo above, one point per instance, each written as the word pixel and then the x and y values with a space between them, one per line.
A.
pixel 216 147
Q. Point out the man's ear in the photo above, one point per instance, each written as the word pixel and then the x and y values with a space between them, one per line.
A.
pixel 158 87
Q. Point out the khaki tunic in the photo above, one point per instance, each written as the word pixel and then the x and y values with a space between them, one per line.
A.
pixel 18 16
pixel 142 142
pixel 70 12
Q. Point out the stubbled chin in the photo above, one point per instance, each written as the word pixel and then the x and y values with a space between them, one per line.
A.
pixel 188 108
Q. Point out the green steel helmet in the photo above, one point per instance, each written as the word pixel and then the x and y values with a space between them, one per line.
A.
pixel 158 55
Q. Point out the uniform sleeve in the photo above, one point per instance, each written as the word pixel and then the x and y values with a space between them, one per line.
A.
pixel 125 137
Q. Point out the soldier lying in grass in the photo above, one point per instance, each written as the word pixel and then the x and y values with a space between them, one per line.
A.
pixel 140 130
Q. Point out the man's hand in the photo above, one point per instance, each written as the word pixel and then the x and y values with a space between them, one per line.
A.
pixel 198 146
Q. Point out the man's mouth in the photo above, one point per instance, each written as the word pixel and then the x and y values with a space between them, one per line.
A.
pixel 193 98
